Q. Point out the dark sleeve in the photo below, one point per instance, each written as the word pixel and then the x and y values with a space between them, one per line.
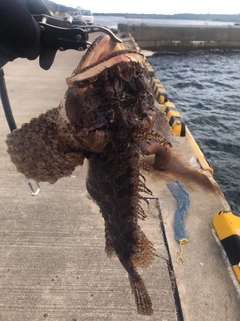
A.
pixel 19 32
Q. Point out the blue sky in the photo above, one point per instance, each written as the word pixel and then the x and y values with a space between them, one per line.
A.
pixel 157 6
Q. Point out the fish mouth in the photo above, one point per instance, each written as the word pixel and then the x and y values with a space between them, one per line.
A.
pixel 102 54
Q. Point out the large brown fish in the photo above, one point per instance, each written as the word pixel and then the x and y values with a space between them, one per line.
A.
pixel 107 111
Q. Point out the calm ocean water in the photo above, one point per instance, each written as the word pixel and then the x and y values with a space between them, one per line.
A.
pixel 205 87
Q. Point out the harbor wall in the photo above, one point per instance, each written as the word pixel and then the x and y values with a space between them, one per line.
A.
pixel 184 37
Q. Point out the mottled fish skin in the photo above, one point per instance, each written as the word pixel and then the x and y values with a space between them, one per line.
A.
pixel 114 179
pixel 102 118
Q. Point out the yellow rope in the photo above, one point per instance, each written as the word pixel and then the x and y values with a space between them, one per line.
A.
pixel 180 260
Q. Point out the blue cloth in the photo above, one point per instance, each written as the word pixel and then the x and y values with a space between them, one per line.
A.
pixel 183 200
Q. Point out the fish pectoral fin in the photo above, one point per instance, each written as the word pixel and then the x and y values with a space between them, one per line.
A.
pixel 39 152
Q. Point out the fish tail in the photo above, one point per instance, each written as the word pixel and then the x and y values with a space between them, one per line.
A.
pixel 142 298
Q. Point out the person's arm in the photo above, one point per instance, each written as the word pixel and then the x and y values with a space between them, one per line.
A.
pixel 19 32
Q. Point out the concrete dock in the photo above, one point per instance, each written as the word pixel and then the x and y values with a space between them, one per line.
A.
pixel 52 261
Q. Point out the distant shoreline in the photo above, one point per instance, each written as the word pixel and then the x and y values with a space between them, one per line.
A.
pixel 180 16
pixel 235 18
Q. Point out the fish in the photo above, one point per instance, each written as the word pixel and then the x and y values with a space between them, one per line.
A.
pixel 106 116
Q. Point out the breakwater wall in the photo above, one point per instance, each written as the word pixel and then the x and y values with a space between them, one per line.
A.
pixel 184 37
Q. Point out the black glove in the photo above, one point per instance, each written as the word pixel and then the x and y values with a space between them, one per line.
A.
pixel 19 32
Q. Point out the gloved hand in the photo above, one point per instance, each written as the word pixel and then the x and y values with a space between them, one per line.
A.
pixel 19 32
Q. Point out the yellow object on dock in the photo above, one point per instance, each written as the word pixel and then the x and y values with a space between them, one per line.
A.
pixel 227 226
pixel 159 91
pixel 174 119
pixel 148 69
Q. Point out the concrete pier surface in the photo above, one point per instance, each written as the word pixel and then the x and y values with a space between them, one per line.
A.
pixel 179 37
pixel 52 261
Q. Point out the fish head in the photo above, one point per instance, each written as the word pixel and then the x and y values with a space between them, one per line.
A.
pixel 108 92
